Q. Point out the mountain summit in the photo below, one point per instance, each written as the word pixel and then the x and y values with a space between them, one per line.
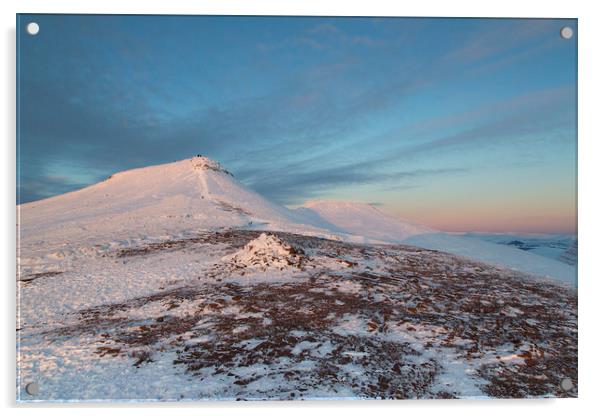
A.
pixel 188 194
pixel 201 162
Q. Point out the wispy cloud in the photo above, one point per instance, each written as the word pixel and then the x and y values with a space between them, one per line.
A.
pixel 299 186
pixel 512 119
pixel 499 37
pixel 322 36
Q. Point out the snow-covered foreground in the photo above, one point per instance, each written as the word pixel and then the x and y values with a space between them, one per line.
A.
pixel 175 282
pixel 208 317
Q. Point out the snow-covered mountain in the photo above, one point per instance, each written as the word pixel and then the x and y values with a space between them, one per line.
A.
pixel 365 220
pixel 176 282
pixel 368 221
pixel 193 193
pixel 180 198
pixel 152 203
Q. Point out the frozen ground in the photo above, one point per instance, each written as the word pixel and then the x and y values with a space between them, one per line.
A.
pixel 207 317
pixel 175 282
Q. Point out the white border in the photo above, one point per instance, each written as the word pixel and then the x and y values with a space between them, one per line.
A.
pixel 590 207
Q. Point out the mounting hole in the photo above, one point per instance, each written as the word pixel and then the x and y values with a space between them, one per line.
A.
pixel 32 388
pixel 566 384
pixel 33 28
pixel 566 32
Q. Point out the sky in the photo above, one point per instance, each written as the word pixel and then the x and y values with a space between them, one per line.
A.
pixel 460 124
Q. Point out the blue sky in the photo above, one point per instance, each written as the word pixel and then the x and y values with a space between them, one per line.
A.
pixel 463 124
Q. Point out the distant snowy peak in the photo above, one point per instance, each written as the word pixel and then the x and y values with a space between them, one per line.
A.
pixel 266 252
pixel 366 220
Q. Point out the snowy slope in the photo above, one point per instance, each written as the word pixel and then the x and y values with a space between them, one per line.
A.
pixel 366 220
pixel 570 255
pixel 156 202
pixel 196 191
pixel 239 314
pixel 547 245
pixel 496 254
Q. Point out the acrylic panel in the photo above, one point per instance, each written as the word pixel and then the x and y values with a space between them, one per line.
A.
pixel 294 208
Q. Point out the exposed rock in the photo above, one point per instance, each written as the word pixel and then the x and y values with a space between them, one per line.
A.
pixel 266 252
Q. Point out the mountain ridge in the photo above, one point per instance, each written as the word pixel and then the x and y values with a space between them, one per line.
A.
pixel 183 197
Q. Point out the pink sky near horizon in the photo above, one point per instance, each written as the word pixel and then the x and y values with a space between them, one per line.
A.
pixel 481 219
